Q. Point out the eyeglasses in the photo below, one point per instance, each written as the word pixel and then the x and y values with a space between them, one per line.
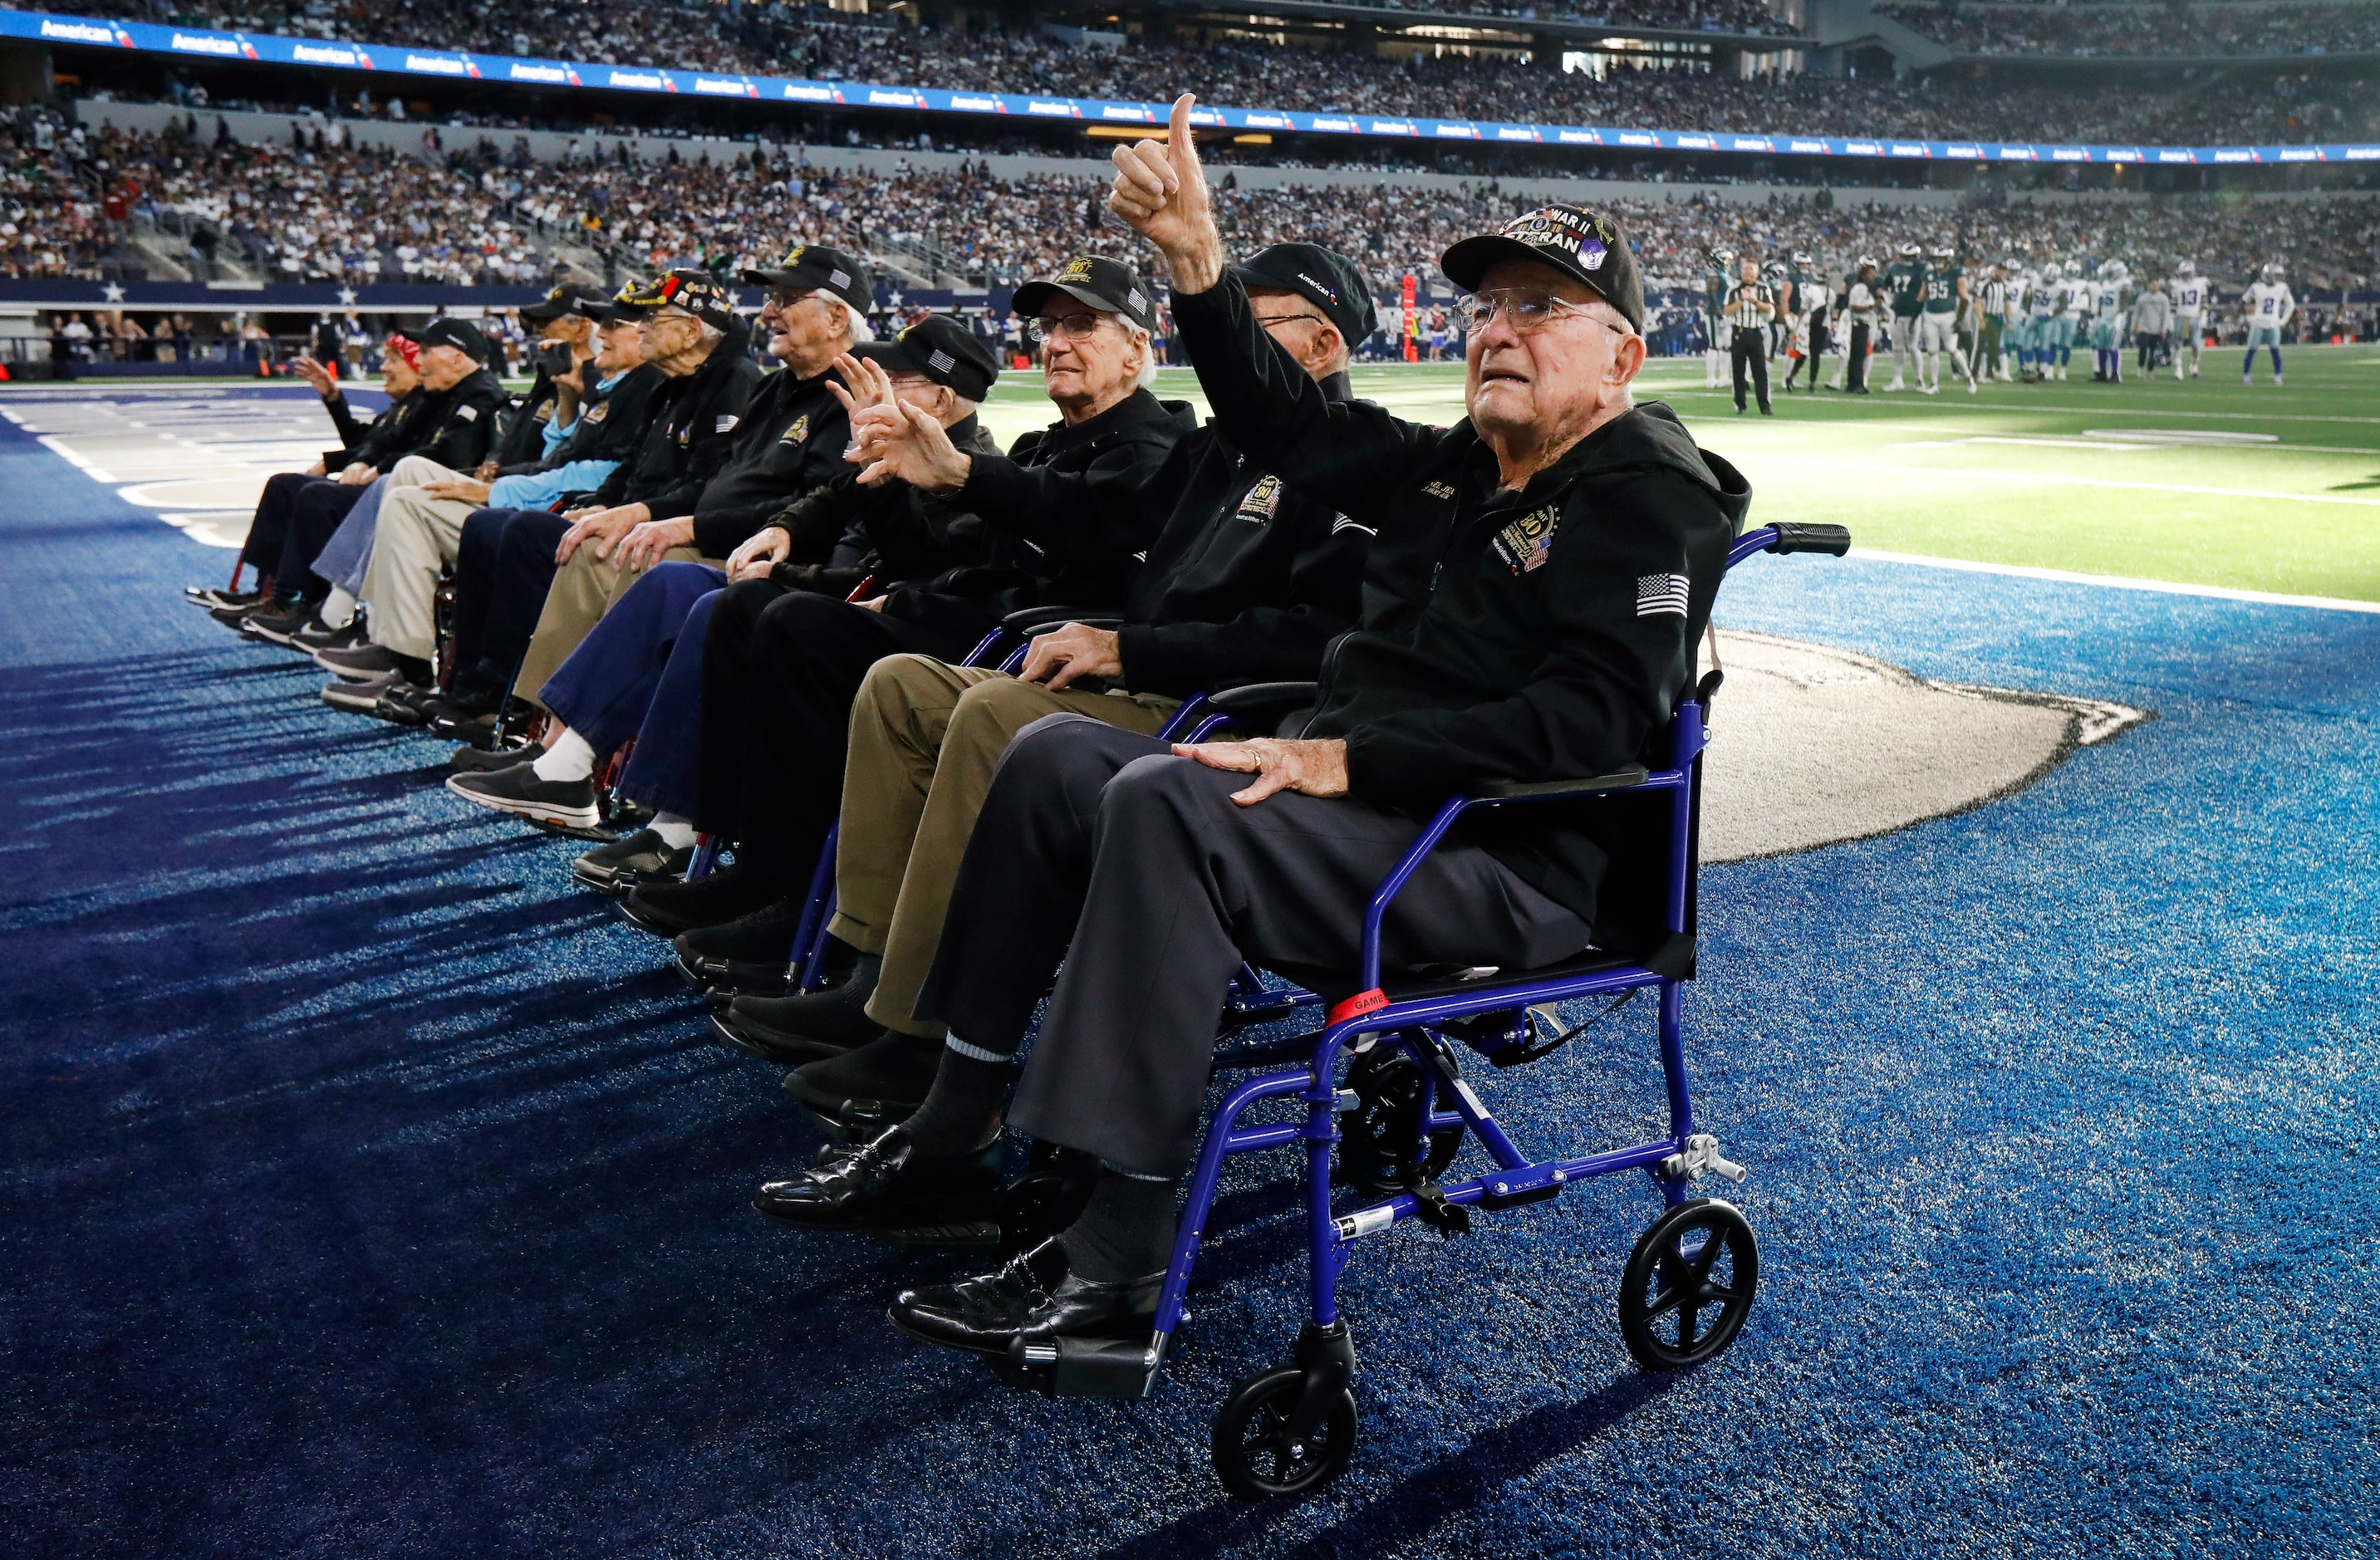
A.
pixel 1278 319
pixel 1073 327
pixel 1528 308
pixel 782 298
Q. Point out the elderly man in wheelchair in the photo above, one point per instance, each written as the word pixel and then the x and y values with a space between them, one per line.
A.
pixel 1455 791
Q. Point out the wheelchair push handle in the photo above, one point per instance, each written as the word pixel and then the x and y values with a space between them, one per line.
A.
pixel 1790 535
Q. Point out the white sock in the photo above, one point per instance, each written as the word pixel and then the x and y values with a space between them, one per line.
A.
pixel 568 759
pixel 339 607
pixel 678 833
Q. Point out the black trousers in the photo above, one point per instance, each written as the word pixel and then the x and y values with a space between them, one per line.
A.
pixel 1749 348
pixel 780 668
pixel 1097 847
pixel 293 522
pixel 503 566
pixel 1857 358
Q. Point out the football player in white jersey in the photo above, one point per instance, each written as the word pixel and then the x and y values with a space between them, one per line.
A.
pixel 2268 307
pixel 2109 294
pixel 2192 302
pixel 1717 277
pixel 2073 313
pixel 2043 291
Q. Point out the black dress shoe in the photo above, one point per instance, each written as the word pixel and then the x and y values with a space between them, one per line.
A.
pixel 755 1039
pixel 886 1180
pixel 641 857
pixel 465 717
pixel 813 1024
pixel 667 909
pixel 884 1081
pixel 985 1315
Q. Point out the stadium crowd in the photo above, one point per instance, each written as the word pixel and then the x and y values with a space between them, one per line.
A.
pixel 1493 88
pixel 475 216
pixel 2170 30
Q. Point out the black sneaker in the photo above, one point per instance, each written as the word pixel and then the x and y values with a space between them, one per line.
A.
pixel 281 627
pixel 357 662
pixel 870 1086
pixel 762 937
pixel 464 716
pixel 399 703
pixel 325 637
pixel 485 760
pixel 641 857
pixel 236 618
pixel 238 600
pixel 357 698
pixel 667 909
pixel 517 790
pixel 817 1023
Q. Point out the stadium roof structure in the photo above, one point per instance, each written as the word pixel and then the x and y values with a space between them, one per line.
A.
pixel 394 60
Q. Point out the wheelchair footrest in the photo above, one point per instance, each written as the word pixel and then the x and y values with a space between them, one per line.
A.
pixel 960 1235
pixel 1083 1367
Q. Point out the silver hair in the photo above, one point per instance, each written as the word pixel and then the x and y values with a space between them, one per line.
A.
pixel 1148 345
pixel 855 323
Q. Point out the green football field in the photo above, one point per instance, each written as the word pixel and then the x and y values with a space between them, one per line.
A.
pixel 2201 483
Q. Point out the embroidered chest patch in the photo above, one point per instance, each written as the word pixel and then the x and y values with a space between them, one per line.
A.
pixel 595 413
pixel 1263 501
pixel 1662 596
pixel 800 431
pixel 1524 544
pixel 1438 490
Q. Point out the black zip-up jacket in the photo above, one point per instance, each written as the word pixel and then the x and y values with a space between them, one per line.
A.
pixel 1555 634
pixel 690 434
pixel 521 444
pixel 1246 581
pixel 611 422
pixel 1055 560
pixel 454 427
pixel 353 430
pixel 843 531
pixel 791 440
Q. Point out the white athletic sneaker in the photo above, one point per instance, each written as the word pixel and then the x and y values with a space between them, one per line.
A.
pixel 1971 389
pixel 2277 381
pixel 2247 379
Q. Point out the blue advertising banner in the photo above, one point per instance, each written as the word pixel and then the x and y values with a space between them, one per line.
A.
pixel 391 60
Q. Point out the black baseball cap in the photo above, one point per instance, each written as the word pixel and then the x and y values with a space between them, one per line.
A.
pixel 459 333
pixel 1109 286
pixel 1325 278
pixel 697 292
pixel 940 347
pixel 565 299
pixel 1581 244
pixel 814 268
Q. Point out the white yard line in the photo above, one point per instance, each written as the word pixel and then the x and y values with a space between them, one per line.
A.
pixel 2120 582
pixel 1935 474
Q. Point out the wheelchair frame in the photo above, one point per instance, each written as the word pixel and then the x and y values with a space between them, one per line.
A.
pixel 1304 1413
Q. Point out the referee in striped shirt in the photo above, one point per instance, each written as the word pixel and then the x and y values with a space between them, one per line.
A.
pixel 1750 307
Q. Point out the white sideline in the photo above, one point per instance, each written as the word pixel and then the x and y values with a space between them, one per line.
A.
pixel 2120 582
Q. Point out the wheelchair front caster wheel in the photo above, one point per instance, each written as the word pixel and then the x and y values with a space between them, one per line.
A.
pixel 1255 1455
pixel 1689 1285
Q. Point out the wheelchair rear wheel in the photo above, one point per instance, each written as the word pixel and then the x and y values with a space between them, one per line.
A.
pixel 1255 1455
pixel 1689 1285
pixel 1381 1150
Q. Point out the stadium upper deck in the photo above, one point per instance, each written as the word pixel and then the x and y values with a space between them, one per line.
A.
pixel 2008 29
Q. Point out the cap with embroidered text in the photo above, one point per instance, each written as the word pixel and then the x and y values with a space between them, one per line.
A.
pixel 1581 244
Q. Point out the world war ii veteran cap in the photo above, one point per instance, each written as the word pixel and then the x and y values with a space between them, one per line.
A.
pixel 814 268
pixel 565 299
pixel 459 333
pixel 940 347
pixel 1095 280
pixel 1573 240
pixel 1323 277
pixel 697 292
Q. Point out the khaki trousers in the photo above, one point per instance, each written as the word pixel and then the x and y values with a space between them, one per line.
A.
pixel 414 544
pixel 925 739
pixel 583 590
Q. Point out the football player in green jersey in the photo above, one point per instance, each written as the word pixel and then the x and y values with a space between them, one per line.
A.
pixel 1943 293
pixel 1904 286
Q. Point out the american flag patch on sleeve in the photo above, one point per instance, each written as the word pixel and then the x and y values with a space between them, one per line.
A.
pixel 1657 594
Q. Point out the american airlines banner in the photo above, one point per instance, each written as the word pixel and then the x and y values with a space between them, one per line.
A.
pixel 390 60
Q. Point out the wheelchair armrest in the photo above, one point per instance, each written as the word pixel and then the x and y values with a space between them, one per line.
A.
pixel 1255 701
pixel 1794 536
pixel 1539 790
pixel 1032 620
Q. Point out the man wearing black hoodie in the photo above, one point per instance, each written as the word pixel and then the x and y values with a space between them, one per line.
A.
pixel 788 438
pixel 1583 541
pixel 779 670
pixel 1247 581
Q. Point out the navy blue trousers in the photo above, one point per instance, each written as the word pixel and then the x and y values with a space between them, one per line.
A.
pixel 295 519
pixel 639 673
pixel 503 566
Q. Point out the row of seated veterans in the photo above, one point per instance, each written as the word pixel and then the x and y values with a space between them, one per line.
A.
pixel 765 590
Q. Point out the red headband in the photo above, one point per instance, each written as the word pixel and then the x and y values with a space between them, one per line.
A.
pixel 406 349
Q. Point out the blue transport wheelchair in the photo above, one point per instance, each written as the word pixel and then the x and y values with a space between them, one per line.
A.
pixel 1385 1096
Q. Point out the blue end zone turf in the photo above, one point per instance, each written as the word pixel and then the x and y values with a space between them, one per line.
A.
pixel 373 1192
